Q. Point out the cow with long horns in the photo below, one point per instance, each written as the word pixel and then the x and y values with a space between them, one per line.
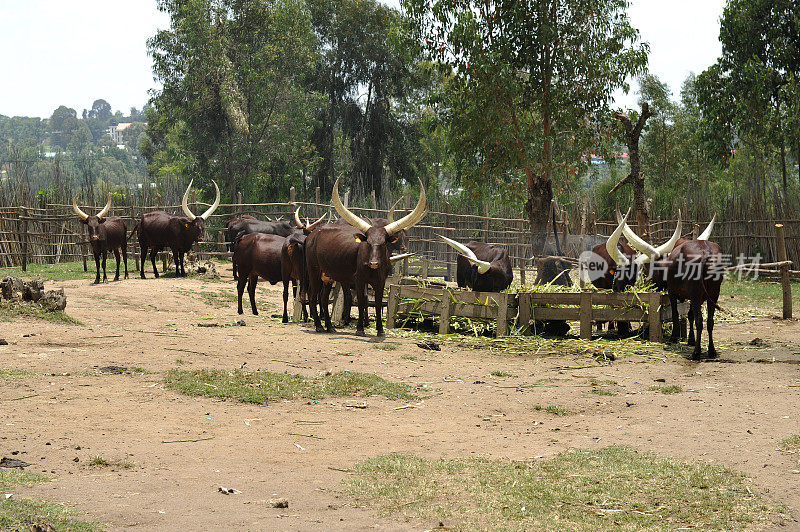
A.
pixel 246 226
pixel 293 263
pixel 480 266
pixel 160 229
pixel 357 255
pixel 691 271
pixel 105 233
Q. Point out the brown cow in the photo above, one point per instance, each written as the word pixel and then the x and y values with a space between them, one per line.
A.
pixel 357 255
pixel 257 255
pixel 293 263
pixel 160 229
pixel 105 233
pixel 480 266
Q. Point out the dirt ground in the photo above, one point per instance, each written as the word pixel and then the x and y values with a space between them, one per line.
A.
pixel 732 412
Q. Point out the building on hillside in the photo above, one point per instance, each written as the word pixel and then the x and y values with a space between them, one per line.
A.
pixel 115 132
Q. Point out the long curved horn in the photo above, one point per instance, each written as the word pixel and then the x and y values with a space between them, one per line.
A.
pixel 346 215
pixel 390 215
pixel 395 258
pixel 82 215
pixel 413 217
pixel 467 253
pixel 189 214
pixel 667 246
pixel 707 233
pixel 297 219
pixel 636 242
pixel 312 226
pixel 214 205
pixel 106 208
pixel 611 244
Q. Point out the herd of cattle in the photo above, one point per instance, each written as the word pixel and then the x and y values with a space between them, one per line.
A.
pixel 356 252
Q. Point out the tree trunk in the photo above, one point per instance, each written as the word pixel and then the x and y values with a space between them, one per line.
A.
pixel 636 177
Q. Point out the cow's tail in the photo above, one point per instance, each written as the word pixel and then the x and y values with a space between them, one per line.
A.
pixel 707 261
pixel 135 227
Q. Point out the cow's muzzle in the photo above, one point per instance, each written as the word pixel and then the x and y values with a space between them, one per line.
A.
pixel 374 264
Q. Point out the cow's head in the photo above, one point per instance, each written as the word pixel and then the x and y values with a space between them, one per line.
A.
pixel 375 240
pixel 93 223
pixel 307 227
pixel 400 243
pixel 648 252
pixel 196 226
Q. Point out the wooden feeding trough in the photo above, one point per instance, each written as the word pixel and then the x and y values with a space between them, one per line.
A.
pixel 585 307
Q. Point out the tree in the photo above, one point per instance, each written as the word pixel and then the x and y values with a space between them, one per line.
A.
pixel 636 177
pixel 63 122
pixel 538 72
pixel 101 110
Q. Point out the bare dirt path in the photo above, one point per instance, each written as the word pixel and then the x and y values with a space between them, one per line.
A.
pixel 732 412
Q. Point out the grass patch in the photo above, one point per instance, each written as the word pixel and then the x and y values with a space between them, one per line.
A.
pixel 10 310
pixel 556 410
pixel 22 514
pixel 602 391
pixel 261 387
pixel 99 461
pixel 65 271
pixel 666 390
pixel 791 444
pixel 386 347
pixel 498 373
pixel 9 374
pixel 408 357
pixel 615 488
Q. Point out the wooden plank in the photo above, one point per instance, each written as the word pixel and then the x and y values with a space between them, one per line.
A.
pixel 444 316
pixel 654 313
pixel 337 305
pixel 586 315
pixel 297 309
pixel 780 241
pixel 525 313
pixel 502 315
pixel 551 313
pixel 555 298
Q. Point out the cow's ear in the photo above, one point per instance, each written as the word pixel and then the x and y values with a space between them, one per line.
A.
pixel 360 238
pixel 102 220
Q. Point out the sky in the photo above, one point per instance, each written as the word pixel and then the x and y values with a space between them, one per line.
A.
pixel 58 52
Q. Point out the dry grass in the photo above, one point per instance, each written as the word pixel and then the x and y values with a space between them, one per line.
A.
pixel 609 489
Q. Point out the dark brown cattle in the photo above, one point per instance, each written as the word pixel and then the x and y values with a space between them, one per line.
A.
pixel 692 271
pixel 105 233
pixel 245 226
pixel 257 255
pixel 159 230
pixel 293 263
pixel 480 266
pixel 337 253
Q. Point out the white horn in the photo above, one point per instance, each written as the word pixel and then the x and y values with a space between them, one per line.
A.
pixel 707 233
pixel 184 205
pixel 106 208
pixel 297 219
pixel 611 244
pixel 413 217
pixel 467 253
pixel 346 215
pixel 666 247
pixel 82 215
pixel 214 205
pixel 395 258
pixel 636 242
pixel 312 226
pixel 390 215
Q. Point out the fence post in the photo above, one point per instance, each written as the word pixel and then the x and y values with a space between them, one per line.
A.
pixel 291 195
pixel 654 317
pixel 447 248
pixel 586 315
pixel 502 315
pixel 23 238
pixel 787 287
pixel 316 199
pixel 84 251
pixel 444 315
pixel 523 261
pixel 374 201
pixel 239 203
pixel 486 223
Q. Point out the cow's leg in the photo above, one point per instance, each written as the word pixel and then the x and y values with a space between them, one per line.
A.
pixel 347 299
pixel 697 313
pixel 361 299
pixel 143 259
pixel 183 263
pixel 240 283
pixel 324 307
pixel 116 254
pixel 676 325
pixel 251 289
pixel 313 298
pixel 286 298
pixel 153 254
pixel 176 259
pixel 125 258
pixel 712 307
pixel 379 307
pixel 623 328
pixel 105 256
pixel 690 319
pixel 97 266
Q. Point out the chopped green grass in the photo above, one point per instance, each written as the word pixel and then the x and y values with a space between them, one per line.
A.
pixel 556 410
pixel 408 357
pixel 18 514
pixel 9 374
pixel 386 347
pixel 261 387
pixel 602 391
pixel 615 488
pixel 11 310
pixel 666 390
pixel 498 373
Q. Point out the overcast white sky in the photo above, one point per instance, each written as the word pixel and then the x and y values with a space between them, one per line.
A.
pixel 73 52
